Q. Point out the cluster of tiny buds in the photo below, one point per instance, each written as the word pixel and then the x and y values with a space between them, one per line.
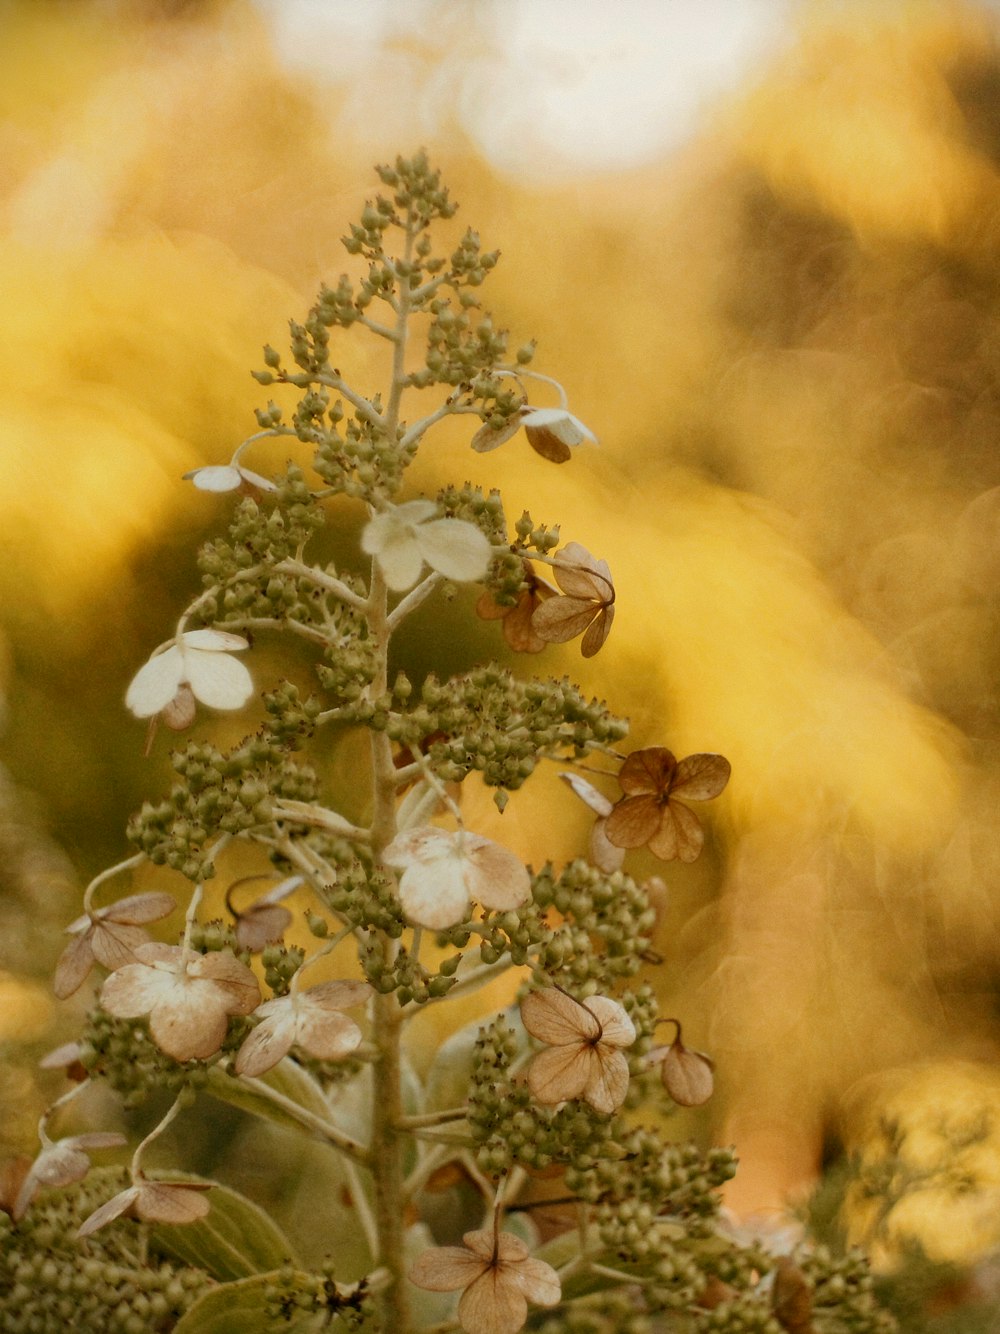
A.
pixel 293 1294
pixel 47 1284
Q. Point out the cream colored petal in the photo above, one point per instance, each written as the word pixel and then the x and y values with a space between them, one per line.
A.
pixel 416 511
pixel 446 1268
pixel 422 844
pixel 603 853
pixel 73 967
pixel 401 561
pixel 435 895
pixel 155 954
pixel 214 641
pixel 255 479
pixel 486 438
pixel 552 1016
pixel 538 1281
pixel 133 991
pixel 576 572
pixel 493 1304
pixel 607 1082
pixel 270 1041
pixel 217 680
pixel 337 995
pixel 189 1023
pixel 155 683
pixel 166 1202
pixel 96 1139
pixel 214 478
pixel 111 1209
pixel 558 1074
pixel 588 794
pixel 455 548
pixel 496 878
pixel 617 1029
pixel 327 1034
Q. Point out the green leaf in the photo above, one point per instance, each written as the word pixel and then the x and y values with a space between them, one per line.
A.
pixel 240 1308
pixel 235 1240
pixel 287 1078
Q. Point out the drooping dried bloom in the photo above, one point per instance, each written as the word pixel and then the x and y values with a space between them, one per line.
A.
pixel 61 1162
pixel 588 607
pixel 554 432
pixel 196 664
pixel 152 1202
pixel 405 538
pixel 187 996
pixel 264 921
pixel 603 853
pixel 442 871
pixel 499 1276
pixel 108 935
pixel 651 814
pixel 227 477
pixel 518 630
pixel 310 1019
pixel 688 1076
pixel 584 1057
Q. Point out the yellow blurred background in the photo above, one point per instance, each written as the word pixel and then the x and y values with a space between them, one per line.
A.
pixel 784 330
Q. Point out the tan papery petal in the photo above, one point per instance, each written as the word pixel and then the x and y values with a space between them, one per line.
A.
pixel 558 1074
pixel 73 967
pixel 167 1202
pixel 190 1024
pixel 340 994
pixel 260 926
pixel 497 879
pixel 487 438
pixel 137 909
pixel 135 989
pixel 233 978
pixel 493 1304
pixel 552 1016
pixel 538 1281
pixel 111 1209
pixel 446 1268
pixel 269 1043
pixel 327 1034
pixel 562 618
pixel 617 1029
pixel 607 1082
pixel 687 1075
pixel 114 944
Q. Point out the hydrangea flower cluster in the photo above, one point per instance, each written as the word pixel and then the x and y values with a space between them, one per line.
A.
pixel 345 920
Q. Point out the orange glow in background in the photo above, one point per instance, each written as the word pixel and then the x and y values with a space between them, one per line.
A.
pixel 784 330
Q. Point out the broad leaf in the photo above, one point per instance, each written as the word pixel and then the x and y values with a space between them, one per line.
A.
pixel 287 1079
pixel 240 1308
pixel 235 1240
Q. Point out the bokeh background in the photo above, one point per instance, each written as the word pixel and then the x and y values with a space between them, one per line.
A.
pixel 759 242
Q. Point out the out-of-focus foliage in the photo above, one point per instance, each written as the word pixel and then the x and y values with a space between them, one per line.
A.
pixel 787 343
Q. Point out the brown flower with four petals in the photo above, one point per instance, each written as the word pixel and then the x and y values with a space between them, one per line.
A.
pixel 650 814
pixel 584 1057
pixel 110 935
pixel 588 604
pixel 499 1276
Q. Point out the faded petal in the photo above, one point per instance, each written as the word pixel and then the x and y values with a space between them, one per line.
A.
pixel 553 1017
pixel 650 770
pixel 260 925
pixel 687 1075
pixel 73 967
pixel 588 794
pixel 446 1268
pixel 486 438
pixel 182 710
pixel 455 548
pixel 607 1082
pixel 617 1029
pixel 566 428
pixel 138 908
pixel 597 632
pixel 269 1043
pixel 237 982
pixel 603 853
pixel 538 1281
pixel 114 944
pixel 110 1210
pixel 436 895
pixel 497 879
pixel 171 1202
pixel 217 680
pixel 518 629
pixel 132 991
pixel 493 1304
pixel 581 575
pixel 327 1034
pixel 561 619
pixel 214 641
pixel 155 683
pixel 558 1074
pixel 190 1022
pixel 341 994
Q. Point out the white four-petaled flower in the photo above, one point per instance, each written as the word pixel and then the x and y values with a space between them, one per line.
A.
pixel 405 538
pixel 188 997
pixel 197 661
pixel 442 871
pixel 310 1019
pixel 226 477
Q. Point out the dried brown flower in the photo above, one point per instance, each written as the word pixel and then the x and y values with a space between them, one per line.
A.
pixel 108 935
pixel 61 1162
pixel 310 1019
pixel 688 1076
pixel 587 607
pixel 650 814
pixel 499 1276
pixel 584 1057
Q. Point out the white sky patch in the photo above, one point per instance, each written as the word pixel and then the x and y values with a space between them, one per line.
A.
pixel 545 87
